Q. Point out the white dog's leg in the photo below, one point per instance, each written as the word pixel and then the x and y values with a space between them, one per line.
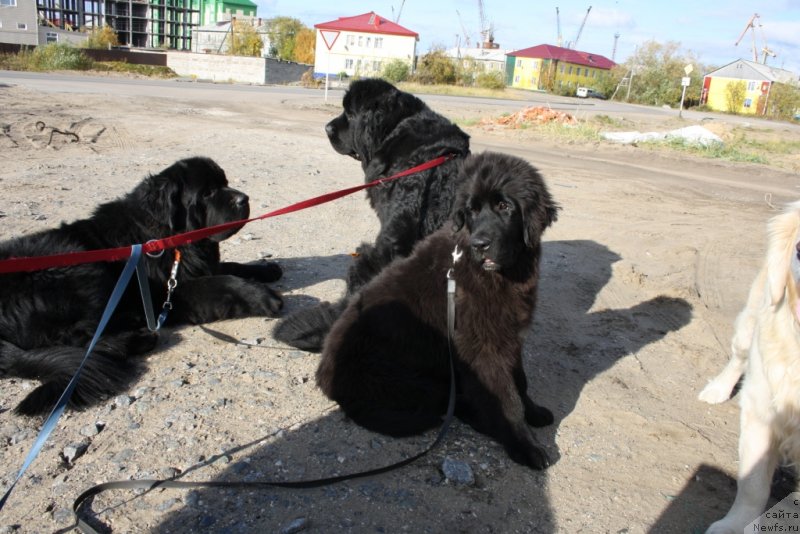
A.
pixel 719 389
pixel 758 458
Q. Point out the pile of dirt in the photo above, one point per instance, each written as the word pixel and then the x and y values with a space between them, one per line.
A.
pixel 532 115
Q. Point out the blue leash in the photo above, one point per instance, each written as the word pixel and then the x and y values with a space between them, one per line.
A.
pixel 52 419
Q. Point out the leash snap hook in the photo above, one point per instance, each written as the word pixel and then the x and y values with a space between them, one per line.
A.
pixel 154 254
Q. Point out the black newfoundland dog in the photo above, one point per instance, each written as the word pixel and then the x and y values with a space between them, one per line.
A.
pixel 47 318
pixel 388 131
pixel 385 360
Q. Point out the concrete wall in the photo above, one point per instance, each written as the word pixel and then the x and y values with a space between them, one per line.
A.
pixel 18 24
pixel 222 68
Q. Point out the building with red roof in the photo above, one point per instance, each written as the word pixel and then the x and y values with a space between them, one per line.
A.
pixel 362 45
pixel 553 68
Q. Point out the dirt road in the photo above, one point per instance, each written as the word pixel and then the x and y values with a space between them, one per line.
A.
pixel 643 275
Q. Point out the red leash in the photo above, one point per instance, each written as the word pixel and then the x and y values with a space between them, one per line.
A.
pixel 13 265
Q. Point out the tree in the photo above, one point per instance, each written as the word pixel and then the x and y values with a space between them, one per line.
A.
pixel 657 72
pixel 436 68
pixel 305 43
pixel 103 37
pixel 244 40
pixel 396 71
pixel 734 95
pixel 283 32
pixel 784 100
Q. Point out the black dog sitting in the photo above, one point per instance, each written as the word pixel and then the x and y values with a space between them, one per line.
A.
pixel 385 360
pixel 47 318
pixel 388 131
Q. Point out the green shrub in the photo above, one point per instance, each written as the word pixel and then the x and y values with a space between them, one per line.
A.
pixel 396 71
pixel 490 80
pixel 102 38
pixel 435 68
pixel 56 56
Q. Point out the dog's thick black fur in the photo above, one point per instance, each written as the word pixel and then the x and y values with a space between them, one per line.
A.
pixel 385 360
pixel 47 318
pixel 388 131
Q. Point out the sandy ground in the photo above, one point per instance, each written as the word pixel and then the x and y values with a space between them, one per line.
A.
pixel 643 275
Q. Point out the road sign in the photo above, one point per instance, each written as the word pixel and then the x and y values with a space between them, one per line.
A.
pixel 329 37
pixel 688 69
pixel 686 81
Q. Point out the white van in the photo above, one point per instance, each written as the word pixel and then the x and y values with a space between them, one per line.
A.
pixel 582 92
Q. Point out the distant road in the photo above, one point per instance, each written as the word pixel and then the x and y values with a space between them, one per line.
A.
pixel 186 89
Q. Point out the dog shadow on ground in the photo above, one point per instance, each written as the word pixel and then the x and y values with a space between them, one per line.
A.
pixel 420 498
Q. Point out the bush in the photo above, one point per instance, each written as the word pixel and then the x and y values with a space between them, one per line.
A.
pixel 308 79
pixel 396 71
pixel 491 80
pixel 435 68
pixel 50 57
pixel 735 93
pixel 102 38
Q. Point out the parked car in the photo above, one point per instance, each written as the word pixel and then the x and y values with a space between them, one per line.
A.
pixel 585 92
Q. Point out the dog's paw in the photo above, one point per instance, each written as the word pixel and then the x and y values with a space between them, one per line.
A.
pixel 267 271
pixel 273 303
pixel 531 455
pixel 715 392
pixel 538 416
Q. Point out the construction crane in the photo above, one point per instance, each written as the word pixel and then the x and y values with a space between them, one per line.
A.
pixel 463 30
pixel 751 25
pixel 558 27
pixel 487 30
pixel 574 43
pixel 399 11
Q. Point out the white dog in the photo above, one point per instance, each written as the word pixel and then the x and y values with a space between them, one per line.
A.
pixel 766 347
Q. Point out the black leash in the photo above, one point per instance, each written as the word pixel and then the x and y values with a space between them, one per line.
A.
pixel 151 484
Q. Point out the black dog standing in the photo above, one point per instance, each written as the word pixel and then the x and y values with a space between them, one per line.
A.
pixel 385 360
pixel 47 318
pixel 388 131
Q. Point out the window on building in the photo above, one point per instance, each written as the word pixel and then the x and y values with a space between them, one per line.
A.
pixel 535 65
pixel 376 66
pixel 562 69
pixel 379 42
pixel 748 102
pixel 8 3
pixel 22 26
pixel 594 74
pixel 519 63
pixel 351 40
pixel 570 70
pixel 360 40
pixel 516 78
pixel 348 63
pixel 51 37
pixel 751 86
pixel 369 42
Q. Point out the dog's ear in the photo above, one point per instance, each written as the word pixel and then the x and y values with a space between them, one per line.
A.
pixel 782 233
pixel 538 217
pixel 165 190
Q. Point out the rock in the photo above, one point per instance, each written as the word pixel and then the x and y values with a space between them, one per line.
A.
pixel 458 472
pixel 296 525
pixel 74 451
pixel 123 401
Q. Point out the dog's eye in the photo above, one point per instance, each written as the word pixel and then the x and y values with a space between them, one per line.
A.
pixel 503 206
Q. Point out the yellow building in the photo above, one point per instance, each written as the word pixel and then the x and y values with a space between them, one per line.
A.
pixel 757 79
pixel 553 68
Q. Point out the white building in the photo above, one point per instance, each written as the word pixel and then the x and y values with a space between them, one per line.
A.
pixel 488 59
pixel 18 24
pixel 362 45
pixel 215 38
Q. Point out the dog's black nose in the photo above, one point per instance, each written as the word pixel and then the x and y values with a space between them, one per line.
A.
pixel 241 200
pixel 479 243
pixel 330 129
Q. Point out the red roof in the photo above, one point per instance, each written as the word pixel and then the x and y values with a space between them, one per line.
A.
pixel 366 23
pixel 565 54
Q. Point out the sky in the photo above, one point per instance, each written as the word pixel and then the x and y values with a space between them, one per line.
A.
pixel 707 29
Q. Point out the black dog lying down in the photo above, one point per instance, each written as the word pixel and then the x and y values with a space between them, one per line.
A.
pixel 385 360
pixel 47 318
pixel 388 131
